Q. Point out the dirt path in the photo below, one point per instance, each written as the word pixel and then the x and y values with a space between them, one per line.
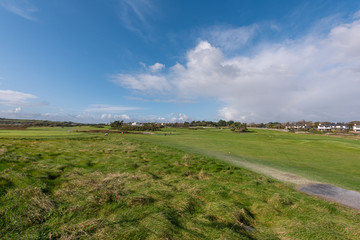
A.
pixel 326 191
pixel 333 193
pixel 269 171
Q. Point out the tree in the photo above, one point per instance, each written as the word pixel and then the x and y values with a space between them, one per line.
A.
pixel 117 124
pixel 221 123
pixel 229 123
pixel 238 127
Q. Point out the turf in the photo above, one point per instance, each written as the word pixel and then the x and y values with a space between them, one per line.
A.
pixel 46 132
pixel 329 159
pixel 117 187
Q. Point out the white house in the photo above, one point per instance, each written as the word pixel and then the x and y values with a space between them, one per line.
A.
pixel 356 128
pixel 332 126
pixel 340 126
pixel 298 127
pixel 324 127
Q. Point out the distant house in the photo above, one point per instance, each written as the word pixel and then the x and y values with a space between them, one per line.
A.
pixel 333 127
pixel 324 127
pixel 356 128
pixel 298 127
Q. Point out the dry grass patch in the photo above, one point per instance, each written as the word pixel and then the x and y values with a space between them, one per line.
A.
pixel 96 188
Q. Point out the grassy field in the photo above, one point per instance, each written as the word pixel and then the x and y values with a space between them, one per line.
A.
pixel 323 158
pixel 88 186
pixel 47 132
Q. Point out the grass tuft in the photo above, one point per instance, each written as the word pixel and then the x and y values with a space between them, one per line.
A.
pixel 244 218
pixel 279 202
pixel 24 208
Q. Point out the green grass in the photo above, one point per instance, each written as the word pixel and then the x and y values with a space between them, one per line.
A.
pixel 47 132
pixel 116 187
pixel 323 158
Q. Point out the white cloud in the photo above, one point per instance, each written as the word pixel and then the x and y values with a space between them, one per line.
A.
pixel 141 82
pixel 21 8
pixel 108 108
pixel 14 98
pixel 105 116
pixel 156 67
pixel 11 111
pixel 123 116
pixel 181 117
pixel 116 116
pixel 87 117
pixel 313 77
pixel 229 113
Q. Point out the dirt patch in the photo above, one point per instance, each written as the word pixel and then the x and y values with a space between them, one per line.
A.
pixel 345 197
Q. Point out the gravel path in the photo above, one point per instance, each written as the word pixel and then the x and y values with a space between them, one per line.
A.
pixel 333 193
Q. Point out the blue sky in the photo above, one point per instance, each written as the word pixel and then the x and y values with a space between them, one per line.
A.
pixel 158 60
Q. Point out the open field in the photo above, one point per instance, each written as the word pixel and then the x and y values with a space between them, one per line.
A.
pixel 56 183
pixel 45 132
pixel 329 159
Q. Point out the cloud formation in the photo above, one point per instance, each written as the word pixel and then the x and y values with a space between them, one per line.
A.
pixel 142 82
pixel 315 77
pixel 181 117
pixel 21 8
pixel 114 116
pixel 156 67
pixel 14 98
